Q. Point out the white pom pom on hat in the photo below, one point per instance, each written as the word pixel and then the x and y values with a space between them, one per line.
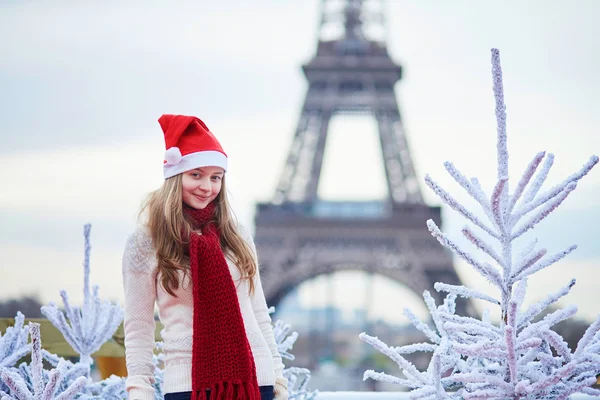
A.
pixel 173 156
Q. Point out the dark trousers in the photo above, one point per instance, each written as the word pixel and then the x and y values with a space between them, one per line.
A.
pixel 266 393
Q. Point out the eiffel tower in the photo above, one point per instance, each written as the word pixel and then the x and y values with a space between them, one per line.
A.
pixel 300 236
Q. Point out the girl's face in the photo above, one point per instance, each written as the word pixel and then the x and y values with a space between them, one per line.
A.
pixel 201 186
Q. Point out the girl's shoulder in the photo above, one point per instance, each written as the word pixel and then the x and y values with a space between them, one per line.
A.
pixel 139 254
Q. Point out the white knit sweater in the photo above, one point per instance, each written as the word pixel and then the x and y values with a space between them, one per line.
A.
pixel 142 290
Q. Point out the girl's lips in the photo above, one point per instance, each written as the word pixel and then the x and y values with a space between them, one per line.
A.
pixel 201 198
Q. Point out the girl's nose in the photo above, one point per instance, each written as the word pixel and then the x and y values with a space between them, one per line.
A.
pixel 204 185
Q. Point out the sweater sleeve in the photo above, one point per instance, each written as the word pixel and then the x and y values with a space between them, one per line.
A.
pixel 261 311
pixel 139 325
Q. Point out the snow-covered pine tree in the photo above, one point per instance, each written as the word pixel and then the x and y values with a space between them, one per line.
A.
pixel 42 385
pixel 297 377
pixel 519 357
pixel 91 325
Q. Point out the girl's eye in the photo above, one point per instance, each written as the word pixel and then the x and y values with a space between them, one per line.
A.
pixel 195 175
pixel 217 178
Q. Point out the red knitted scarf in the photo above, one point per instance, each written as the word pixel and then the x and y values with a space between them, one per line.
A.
pixel 222 360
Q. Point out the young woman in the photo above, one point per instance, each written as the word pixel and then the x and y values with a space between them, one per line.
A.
pixel 200 268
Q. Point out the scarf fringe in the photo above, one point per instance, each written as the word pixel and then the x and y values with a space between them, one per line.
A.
pixel 229 391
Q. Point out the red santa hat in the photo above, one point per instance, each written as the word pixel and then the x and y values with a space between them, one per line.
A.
pixel 189 144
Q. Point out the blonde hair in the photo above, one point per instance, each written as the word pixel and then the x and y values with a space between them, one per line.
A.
pixel 170 229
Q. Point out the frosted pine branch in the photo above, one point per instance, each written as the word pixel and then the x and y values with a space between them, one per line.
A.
pixel 421 326
pixel 543 263
pixel 464 292
pixel 471 187
pixel 545 211
pixel 445 196
pixel 13 344
pixel 298 378
pixel 410 370
pixel 413 348
pixel 486 270
pixel 525 178
pixel 90 326
pixel 555 191
pixel 591 335
pixel 41 390
pixel 539 179
pixel 498 203
pixel 501 146
pixel 527 263
pixel 481 244
pixel 535 309
pixel 526 251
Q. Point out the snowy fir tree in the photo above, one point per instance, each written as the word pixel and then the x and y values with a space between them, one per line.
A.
pixel 91 326
pixel 297 377
pixel 36 383
pixel 520 357
pixel 13 344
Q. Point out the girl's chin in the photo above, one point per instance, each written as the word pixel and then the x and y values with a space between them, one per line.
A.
pixel 197 203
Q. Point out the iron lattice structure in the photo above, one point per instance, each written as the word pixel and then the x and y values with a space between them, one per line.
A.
pixel 299 236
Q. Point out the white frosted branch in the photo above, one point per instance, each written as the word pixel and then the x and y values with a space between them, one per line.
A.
pixel 464 292
pixel 545 211
pixel 445 196
pixel 430 302
pixel 482 348
pixel 471 188
pixel 74 317
pixel 383 377
pixel 36 359
pixel 586 339
pixel 413 372
pixel 519 293
pixel 511 357
pixel 501 144
pixel 535 309
pixel 486 270
pixel 548 321
pixel 525 178
pixel 480 244
pixel 485 378
pixel 420 325
pixel 526 251
pixel 544 263
pixel 528 344
pixel 559 374
pixel 16 356
pixel 556 341
pixel 527 263
pixel 539 179
pixel 16 384
pixel 53 378
pixel 458 319
pixel 73 389
pixel 476 187
pixel 412 348
pixel 472 329
pixel 555 191
pixel 497 202
pixel 511 313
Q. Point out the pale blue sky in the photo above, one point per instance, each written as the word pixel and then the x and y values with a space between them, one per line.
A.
pixel 83 84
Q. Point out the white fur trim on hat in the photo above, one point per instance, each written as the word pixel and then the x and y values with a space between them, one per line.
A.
pixel 173 156
pixel 195 160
